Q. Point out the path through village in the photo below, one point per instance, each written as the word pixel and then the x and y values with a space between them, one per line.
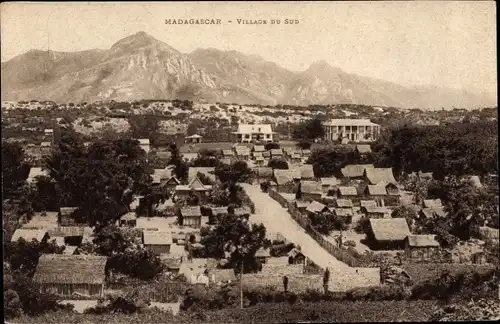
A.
pixel 277 219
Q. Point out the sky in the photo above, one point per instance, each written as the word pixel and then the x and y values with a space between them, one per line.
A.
pixel 443 43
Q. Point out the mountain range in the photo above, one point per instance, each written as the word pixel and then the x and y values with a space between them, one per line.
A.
pixel 142 67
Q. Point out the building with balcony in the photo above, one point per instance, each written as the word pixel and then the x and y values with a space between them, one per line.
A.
pixel 256 133
pixel 351 130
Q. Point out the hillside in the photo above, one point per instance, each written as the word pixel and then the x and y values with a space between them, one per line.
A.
pixel 142 67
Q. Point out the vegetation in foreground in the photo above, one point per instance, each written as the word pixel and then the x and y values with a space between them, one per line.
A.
pixel 265 313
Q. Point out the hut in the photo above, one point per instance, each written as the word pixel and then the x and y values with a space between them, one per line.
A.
pixel 295 256
pixel 376 192
pixel 276 153
pixel 347 192
pixel 36 172
pixel 306 153
pixel 376 212
pixel 311 190
pixel 129 219
pixel 301 205
pixel 345 213
pixel 316 207
pixel 194 139
pixel 375 176
pixel 222 276
pixel 285 179
pixel 259 148
pixel 343 203
pixel 262 255
pixel 195 186
pixel 145 144
pixel 363 149
pixel 328 184
pixel 421 247
pixel 66 275
pixel 209 172
pixel 171 184
pixel 432 203
pixel 432 212
pixel 306 172
pixel 355 171
pixel 158 242
pixel 65 216
pixel 40 235
pixel 388 233
pixel 243 211
pixel 263 173
pixel 368 203
pixel 191 216
pixel 242 152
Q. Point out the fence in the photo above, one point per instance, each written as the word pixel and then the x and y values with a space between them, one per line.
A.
pixel 339 253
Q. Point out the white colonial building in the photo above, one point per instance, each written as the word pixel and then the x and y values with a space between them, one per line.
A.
pixel 248 133
pixel 351 130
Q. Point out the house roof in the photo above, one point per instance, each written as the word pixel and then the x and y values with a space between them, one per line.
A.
pixel 194 211
pixel 207 171
pixel 266 154
pixel 363 148
pixel 45 144
pixel 262 253
pixel 344 203
pixel 35 172
pixel 285 176
pixel 242 211
pixel 378 175
pixel 349 122
pixel 254 128
pixel 366 203
pixel 67 211
pixel 343 212
pixel 306 152
pixel 196 184
pixel 437 211
pixel 189 156
pixel 315 207
pixel 242 151
pixel 224 275
pixel 129 216
pixel 294 252
pixel 219 211
pixel 355 170
pixel 28 234
pixel 227 152
pixel 422 241
pixel 194 136
pixel 69 231
pixel 156 237
pixel 276 152
pixel 259 148
pixel 173 180
pixel 163 154
pixel 332 181
pixel 143 141
pixel 377 210
pixel 376 190
pixel 430 203
pixel 70 269
pixel 306 171
pixel 389 229
pixel 425 175
pixel 348 191
pixel 301 204
pixel 311 187
pixel 161 174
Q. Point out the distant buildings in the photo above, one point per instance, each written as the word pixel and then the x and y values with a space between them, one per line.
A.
pixel 351 130
pixel 248 133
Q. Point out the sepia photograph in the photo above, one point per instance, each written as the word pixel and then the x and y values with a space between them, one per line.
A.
pixel 249 162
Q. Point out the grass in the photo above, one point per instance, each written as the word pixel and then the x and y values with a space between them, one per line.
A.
pixel 427 271
pixel 265 313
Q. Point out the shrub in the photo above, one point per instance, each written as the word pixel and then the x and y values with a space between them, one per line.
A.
pixel 271 146
pixel 264 186
pixel 127 304
pixel 382 292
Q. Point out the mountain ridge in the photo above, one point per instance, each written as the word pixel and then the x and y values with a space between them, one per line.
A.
pixel 141 66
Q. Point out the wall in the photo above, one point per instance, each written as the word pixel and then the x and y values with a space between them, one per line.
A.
pixel 296 283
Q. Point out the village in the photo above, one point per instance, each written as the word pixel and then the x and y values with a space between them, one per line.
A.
pixel 358 229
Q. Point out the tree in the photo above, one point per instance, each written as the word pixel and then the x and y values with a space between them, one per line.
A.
pixel 191 129
pixel 15 170
pixel 143 126
pixel 304 144
pixel 271 146
pixel 278 163
pixel 44 195
pixel 326 222
pixel 180 167
pixel 100 180
pixel 238 238
pixel 406 212
pixel 309 130
pixel 23 255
